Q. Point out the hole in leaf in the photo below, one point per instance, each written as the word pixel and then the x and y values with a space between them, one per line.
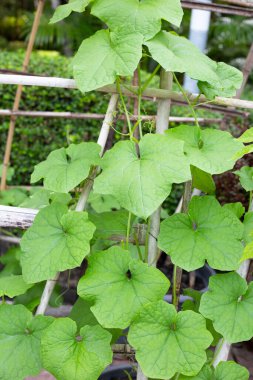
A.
pixel 129 274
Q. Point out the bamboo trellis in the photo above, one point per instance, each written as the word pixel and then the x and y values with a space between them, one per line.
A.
pixel 23 218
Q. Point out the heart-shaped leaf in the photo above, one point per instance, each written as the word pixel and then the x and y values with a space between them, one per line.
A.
pixel 69 355
pixel 57 240
pixel 20 336
pixel 13 286
pixel 63 11
pixel 236 208
pixel 143 17
pixel 104 56
pixel 209 149
pixel 208 232
pixel 246 177
pixel 229 304
pixel 112 273
pixel 224 371
pixel 64 169
pixel 142 180
pixel 167 342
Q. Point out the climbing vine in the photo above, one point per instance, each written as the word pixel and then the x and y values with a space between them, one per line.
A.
pixel 120 288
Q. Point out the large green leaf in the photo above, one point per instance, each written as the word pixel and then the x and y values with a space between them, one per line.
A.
pixel 64 169
pixel 167 342
pixel 208 232
pixel 105 55
pixel 13 286
pixel 119 286
pixel 136 16
pixel 209 150
pixel 224 371
pixel 68 355
pixel 229 304
pixel 57 240
pixel 246 177
pixel 63 11
pixel 175 53
pixel 20 336
pixel 141 182
pixel 229 80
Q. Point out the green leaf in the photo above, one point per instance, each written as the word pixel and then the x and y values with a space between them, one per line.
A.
pixel 246 177
pixel 209 149
pixel 10 172
pixel 68 355
pixel 202 181
pixel 167 342
pixel 65 168
pixel 248 227
pixel 246 150
pixel 143 17
pixel 247 136
pixel 111 223
pixel 13 286
pixel 229 304
pixel 10 260
pixel 224 371
pixel 63 11
pixel 248 252
pixel 20 336
pixel 229 80
pixel 57 240
pixel 178 54
pixel 103 203
pixel 43 198
pixel 236 209
pixel 12 197
pixel 114 272
pixel 142 182
pixel 104 56
pixel 208 232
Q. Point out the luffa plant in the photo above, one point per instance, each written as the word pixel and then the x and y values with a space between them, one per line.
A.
pixel 119 289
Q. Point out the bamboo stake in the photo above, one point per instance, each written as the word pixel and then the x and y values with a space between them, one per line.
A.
pixel 248 66
pixel 84 195
pixel 149 93
pixel 19 93
pixel 162 123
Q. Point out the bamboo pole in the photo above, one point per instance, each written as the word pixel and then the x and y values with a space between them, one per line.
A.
pixel 96 116
pixel 131 91
pixel 19 93
pixel 84 195
pixel 248 66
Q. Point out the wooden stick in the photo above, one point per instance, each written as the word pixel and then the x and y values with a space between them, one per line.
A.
pixel 50 284
pixel 149 93
pixel 220 8
pixel 96 116
pixel 248 66
pixel 16 217
pixel 19 93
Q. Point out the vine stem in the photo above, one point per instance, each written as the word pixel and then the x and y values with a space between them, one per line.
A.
pixel 223 348
pixel 162 123
pixel 104 132
pixel 128 229
pixel 125 108
pixel 177 272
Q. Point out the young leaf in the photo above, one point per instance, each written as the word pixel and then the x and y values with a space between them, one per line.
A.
pixel 141 182
pixel 65 168
pixel 224 371
pixel 209 150
pixel 68 355
pixel 13 286
pixel 63 11
pixel 57 240
pixel 236 209
pixel 103 203
pixel 104 56
pixel 229 304
pixel 112 273
pixel 229 80
pixel 167 342
pixel 20 336
pixel 208 232
pixel 143 17
pixel 246 177
pixel 202 181
pixel 247 136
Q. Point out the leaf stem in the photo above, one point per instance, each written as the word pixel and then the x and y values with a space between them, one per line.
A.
pixel 150 78
pixel 128 229
pixel 250 200
pixel 187 99
pixel 125 108
pixel 139 102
